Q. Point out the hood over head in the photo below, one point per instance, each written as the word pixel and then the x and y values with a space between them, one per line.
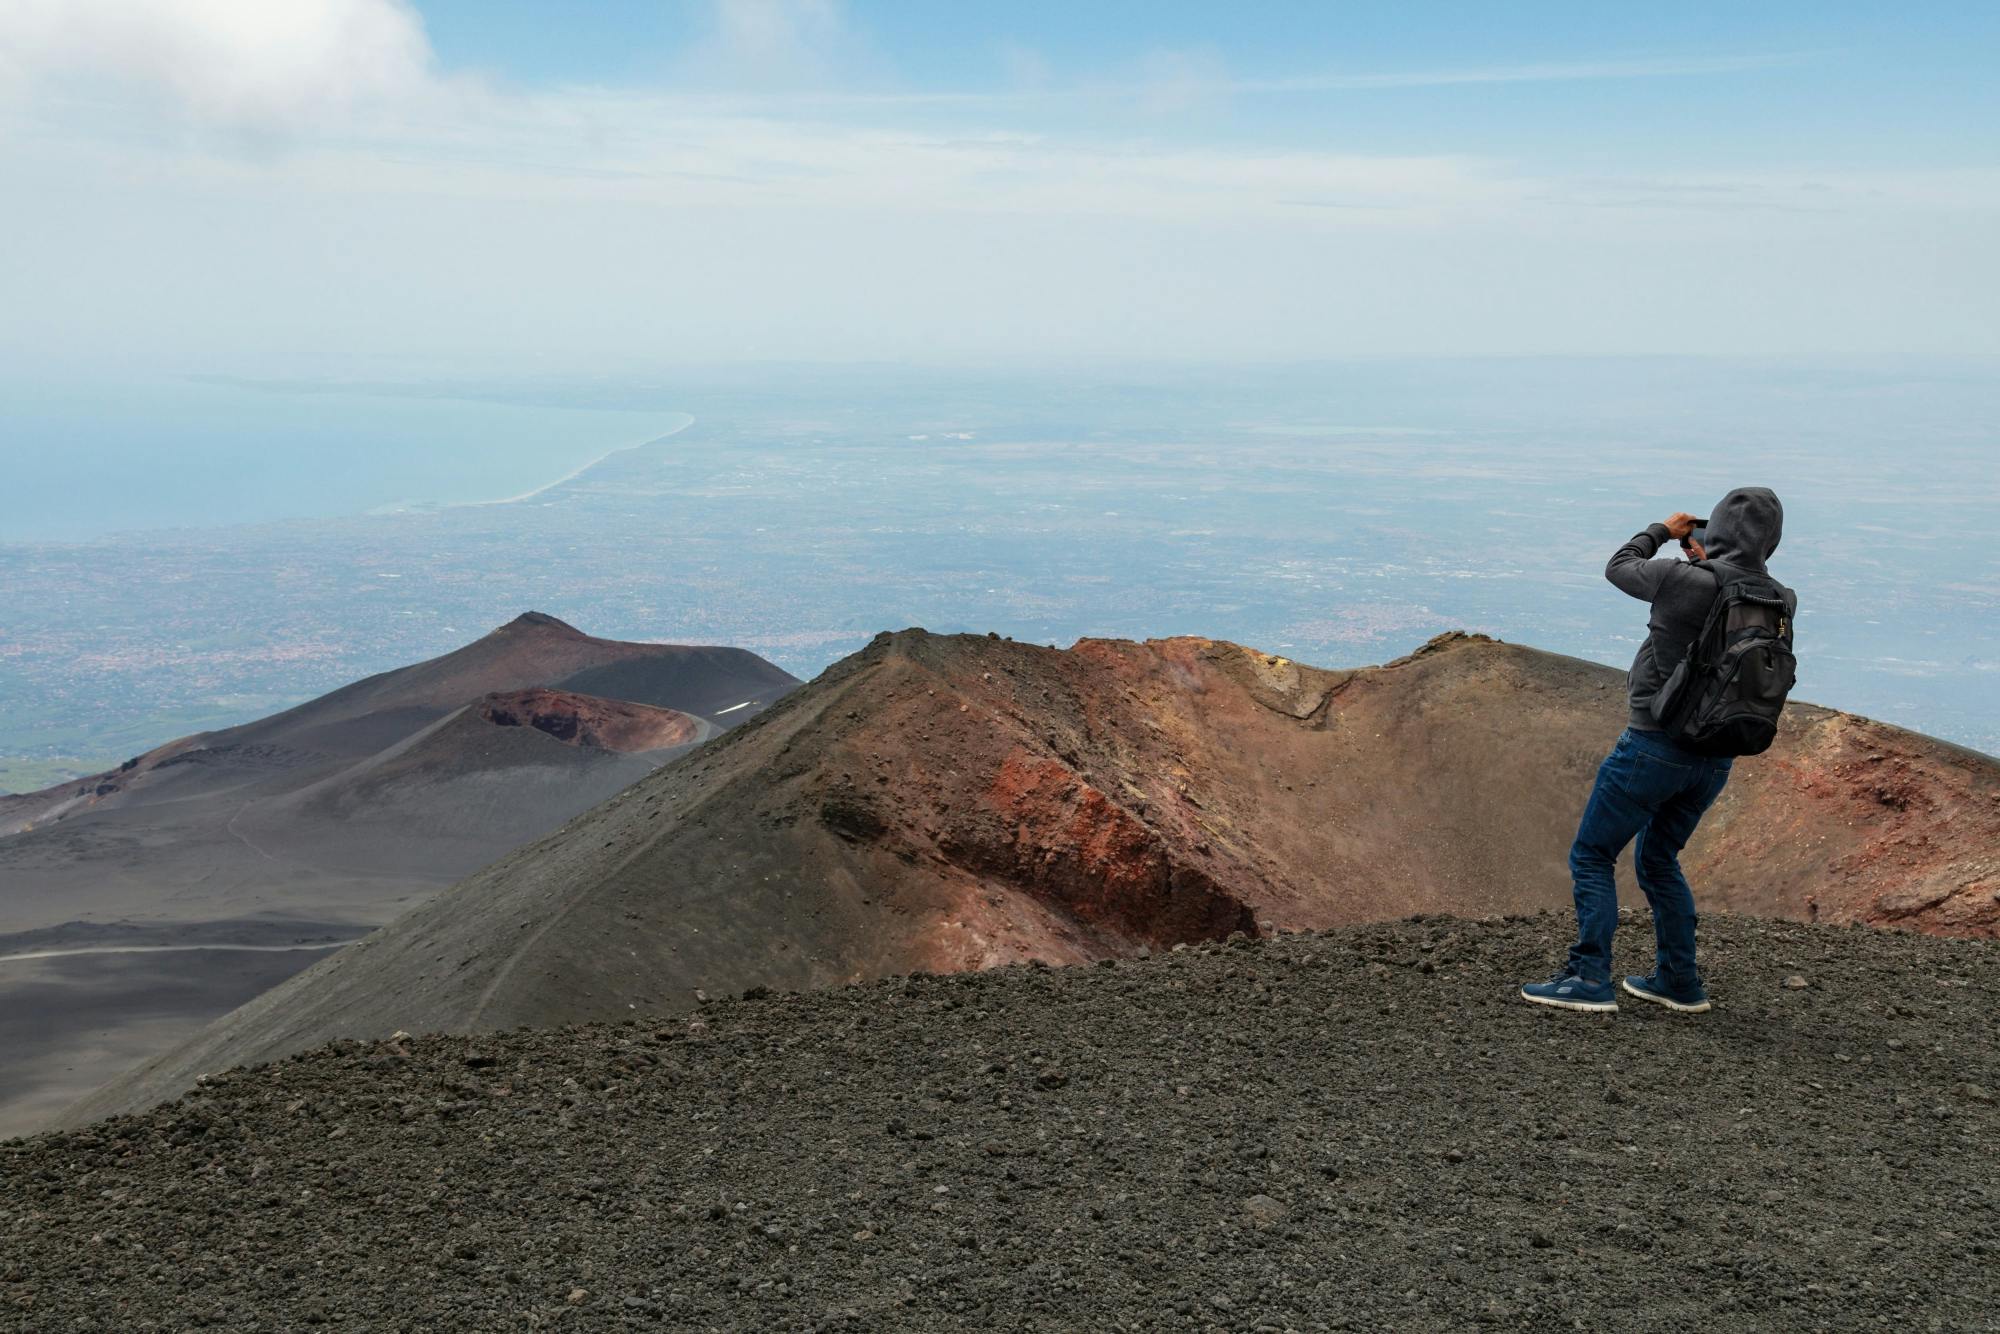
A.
pixel 1744 528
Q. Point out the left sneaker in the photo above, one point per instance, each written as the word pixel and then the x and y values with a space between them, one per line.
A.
pixel 1567 991
pixel 1689 999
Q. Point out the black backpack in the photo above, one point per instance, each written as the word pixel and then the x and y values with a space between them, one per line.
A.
pixel 1725 696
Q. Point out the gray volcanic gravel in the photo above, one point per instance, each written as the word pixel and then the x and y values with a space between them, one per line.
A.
pixel 1362 1129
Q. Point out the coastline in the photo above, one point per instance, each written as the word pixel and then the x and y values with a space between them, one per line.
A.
pixel 574 473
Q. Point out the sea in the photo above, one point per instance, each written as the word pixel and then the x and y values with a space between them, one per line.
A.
pixel 85 460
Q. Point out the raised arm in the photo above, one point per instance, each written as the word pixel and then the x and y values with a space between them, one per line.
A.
pixel 1632 568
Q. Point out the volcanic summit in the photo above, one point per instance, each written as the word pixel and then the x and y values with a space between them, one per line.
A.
pixel 144 901
pixel 947 803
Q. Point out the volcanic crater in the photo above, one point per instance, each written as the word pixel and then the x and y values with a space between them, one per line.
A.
pixel 585 720
pixel 947 803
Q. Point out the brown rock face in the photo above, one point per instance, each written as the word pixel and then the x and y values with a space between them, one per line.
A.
pixel 1184 787
pixel 585 720
pixel 944 803
pixel 1855 821
pixel 1069 845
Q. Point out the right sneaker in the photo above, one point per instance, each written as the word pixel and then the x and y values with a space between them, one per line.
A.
pixel 1688 999
pixel 1567 991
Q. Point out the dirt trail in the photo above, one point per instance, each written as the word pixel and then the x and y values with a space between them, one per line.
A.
pixel 1362 1129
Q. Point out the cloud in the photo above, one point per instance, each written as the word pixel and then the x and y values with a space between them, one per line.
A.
pixel 258 66
pixel 633 147
pixel 767 201
pixel 1176 81
pixel 762 45
pixel 1550 72
pixel 764 112
pixel 1180 78
pixel 1023 67
pixel 344 96
pixel 351 91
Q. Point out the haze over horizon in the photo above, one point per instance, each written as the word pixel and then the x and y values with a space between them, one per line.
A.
pixel 1292 326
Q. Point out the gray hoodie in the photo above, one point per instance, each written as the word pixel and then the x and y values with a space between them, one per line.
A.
pixel 1743 531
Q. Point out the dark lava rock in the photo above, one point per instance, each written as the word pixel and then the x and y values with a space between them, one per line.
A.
pixel 1263 1211
pixel 1192 1157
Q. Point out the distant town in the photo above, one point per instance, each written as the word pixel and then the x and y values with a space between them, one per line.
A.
pixel 801 530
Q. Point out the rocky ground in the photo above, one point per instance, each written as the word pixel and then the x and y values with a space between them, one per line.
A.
pixel 1362 1129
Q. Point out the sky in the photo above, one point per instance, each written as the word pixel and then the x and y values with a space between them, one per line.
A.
pixel 371 187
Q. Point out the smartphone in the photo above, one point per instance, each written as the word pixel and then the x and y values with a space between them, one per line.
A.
pixel 1698 534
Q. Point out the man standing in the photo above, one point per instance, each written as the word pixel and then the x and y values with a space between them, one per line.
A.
pixel 1653 787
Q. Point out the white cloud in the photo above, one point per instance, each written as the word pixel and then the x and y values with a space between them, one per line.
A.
pixel 259 66
pixel 624 146
pixel 1547 72
pixel 763 206
pixel 351 90
pixel 1024 68
pixel 1194 78
pixel 1177 81
pixel 771 44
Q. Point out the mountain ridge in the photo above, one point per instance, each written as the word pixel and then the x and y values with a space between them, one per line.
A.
pixel 534 649
pixel 943 803
pixel 335 814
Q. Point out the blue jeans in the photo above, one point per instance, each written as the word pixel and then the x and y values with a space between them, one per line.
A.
pixel 1652 789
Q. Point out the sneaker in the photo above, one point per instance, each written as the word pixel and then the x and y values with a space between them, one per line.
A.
pixel 1567 991
pixel 1690 999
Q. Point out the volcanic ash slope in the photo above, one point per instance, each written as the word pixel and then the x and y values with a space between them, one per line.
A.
pixel 318 823
pixel 346 807
pixel 941 803
pixel 1364 1130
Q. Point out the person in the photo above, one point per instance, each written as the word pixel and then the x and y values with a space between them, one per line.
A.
pixel 1651 788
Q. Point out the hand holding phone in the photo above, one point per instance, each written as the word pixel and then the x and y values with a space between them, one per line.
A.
pixel 1696 542
pixel 1691 532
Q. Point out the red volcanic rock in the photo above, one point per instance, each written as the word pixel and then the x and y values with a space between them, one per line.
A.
pixel 948 803
pixel 1070 845
pixel 1873 823
pixel 585 720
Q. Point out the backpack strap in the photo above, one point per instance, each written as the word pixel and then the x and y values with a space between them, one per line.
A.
pixel 1725 574
pixel 1709 637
